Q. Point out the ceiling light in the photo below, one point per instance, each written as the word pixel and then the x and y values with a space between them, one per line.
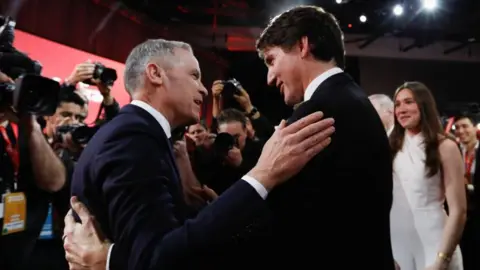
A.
pixel 398 10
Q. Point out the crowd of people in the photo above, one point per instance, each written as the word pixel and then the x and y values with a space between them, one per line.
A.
pixel 348 181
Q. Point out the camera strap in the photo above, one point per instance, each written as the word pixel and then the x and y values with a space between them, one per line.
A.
pixel 12 150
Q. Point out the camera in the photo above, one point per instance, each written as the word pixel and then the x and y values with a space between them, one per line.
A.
pixel 231 87
pixel 223 143
pixel 81 134
pixel 106 75
pixel 31 93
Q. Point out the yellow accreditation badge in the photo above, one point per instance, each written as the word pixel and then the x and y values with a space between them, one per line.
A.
pixel 14 213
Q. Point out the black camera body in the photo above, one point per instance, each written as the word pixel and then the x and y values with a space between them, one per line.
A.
pixel 231 87
pixel 81 134
pixel 106 75
pixel 223 143
pixel 31 93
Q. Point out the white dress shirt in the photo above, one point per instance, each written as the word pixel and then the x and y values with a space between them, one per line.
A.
pixel 156 114
pixel 261 190
pixel 319 80
pixel 389 131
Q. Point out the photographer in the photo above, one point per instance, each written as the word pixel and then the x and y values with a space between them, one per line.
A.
pixel 30 171
pixel 233 153
pixel 67 134
pixel 71 111
pixel 261 127
pixel 84 72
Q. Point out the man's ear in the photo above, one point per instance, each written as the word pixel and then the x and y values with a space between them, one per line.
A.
pixel 47 118
pixel 155 74
pixel 304 47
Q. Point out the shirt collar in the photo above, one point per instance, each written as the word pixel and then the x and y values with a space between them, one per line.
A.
pixel 319 80
pixel 389 131
pixel 464 149
pixel 156 114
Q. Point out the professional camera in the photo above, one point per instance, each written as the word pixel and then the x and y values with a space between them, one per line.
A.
pixel 31 93
pixel 81 134
pixel 230 88
pixel 106 75
pixel 224 142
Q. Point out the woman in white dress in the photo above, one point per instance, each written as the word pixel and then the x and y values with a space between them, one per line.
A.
pixel 427 168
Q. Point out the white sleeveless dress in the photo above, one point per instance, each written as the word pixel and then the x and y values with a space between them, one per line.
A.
pixel 417 217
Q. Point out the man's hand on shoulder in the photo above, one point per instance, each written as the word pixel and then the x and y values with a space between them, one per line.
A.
pixel 291 147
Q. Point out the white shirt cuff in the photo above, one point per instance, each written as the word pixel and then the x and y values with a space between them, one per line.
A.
pixel 262 191
pixel 108 257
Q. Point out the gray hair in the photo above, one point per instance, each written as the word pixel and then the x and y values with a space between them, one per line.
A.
pixel 383 101
pixel 142 54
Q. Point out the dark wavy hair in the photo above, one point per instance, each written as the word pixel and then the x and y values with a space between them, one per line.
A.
pixel 320 27
pixel 430 125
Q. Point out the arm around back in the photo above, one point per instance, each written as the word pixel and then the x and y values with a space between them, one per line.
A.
pixel 140 190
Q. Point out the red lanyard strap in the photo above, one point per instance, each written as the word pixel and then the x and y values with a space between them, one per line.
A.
pixel 469 163
pixel 12 150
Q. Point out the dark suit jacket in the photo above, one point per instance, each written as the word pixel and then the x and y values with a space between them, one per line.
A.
pixel 128 178
pixel 336 211
pixel 475 214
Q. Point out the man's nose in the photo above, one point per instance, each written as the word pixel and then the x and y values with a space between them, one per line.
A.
pixel 203 90
pixel 74 121
pixel 270 78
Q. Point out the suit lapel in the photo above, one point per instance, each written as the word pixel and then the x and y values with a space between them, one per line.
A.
pixel 158 132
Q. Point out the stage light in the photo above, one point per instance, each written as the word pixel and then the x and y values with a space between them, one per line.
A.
pixel 338 1
pixel 429 4
pixel 398 10
pixel 363 18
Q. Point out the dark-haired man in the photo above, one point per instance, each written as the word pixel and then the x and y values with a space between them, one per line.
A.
pixel 337 210
pixel 29 173
pixel 466 132
pixel 242 157
pixel 128 178
pixel 341 201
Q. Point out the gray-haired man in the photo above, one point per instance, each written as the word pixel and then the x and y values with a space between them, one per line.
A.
pixel 128 179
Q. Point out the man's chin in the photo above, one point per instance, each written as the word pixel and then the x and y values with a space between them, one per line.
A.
pixel 292 101
pixel 195 119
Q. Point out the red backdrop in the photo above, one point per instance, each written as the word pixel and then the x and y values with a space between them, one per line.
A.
pixel 58 62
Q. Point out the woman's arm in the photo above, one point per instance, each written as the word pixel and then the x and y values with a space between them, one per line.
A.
pixel 453 171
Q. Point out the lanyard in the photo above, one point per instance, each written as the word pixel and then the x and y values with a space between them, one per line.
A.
pixel 12 150
pixel 468 164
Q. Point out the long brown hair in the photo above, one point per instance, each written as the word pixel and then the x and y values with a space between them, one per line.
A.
pixel 430 125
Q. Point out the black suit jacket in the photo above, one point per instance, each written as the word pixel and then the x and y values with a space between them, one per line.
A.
pixel 128 179
pixel 475 214
pixel 336 211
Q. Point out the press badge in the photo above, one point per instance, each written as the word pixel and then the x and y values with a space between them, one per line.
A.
pixel 47 229
pixel 14 213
